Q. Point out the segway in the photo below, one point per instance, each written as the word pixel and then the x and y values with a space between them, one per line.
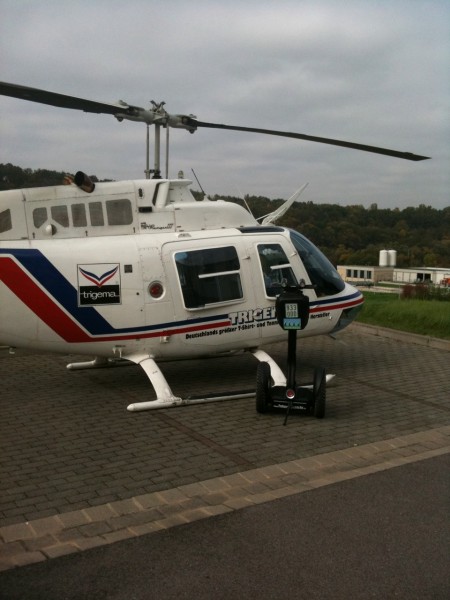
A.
pixel 292 312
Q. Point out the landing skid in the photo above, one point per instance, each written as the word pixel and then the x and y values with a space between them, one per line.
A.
pixel 165 398
pixel 163 403
pixel 164 395
pixel 99 362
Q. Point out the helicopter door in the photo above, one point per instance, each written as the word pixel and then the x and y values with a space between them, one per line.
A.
pixel 276 264
pixel 276 269
pixel 211 284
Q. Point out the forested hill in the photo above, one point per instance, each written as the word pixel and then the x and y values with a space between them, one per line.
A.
pixel 346 234
pixel 355 235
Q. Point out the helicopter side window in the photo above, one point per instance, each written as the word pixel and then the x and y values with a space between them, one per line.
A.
pixel 79 215
pixel 5 220
pixel 39 216
pixel 96 214
pixel 323 275
pixel 60 215
pixel 275 268
pixel 209 276
pixel 119 212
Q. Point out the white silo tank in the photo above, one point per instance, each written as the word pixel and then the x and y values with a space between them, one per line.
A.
pixel 384 258
pixel 392 257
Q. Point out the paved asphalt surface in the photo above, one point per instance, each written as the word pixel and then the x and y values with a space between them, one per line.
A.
pixel 380 536
pixel 217 501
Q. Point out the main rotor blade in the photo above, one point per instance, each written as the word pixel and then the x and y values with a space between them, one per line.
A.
pixel 61 100
pixel 121 111
pixel 310 138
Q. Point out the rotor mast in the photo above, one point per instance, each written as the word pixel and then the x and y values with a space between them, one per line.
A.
pixel 158 117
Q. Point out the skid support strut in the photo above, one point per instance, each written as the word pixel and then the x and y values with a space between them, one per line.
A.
pixel 164 395
pixel 165 398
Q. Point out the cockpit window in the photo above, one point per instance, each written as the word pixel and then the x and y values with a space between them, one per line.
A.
pixel 323 275
pixel 276 268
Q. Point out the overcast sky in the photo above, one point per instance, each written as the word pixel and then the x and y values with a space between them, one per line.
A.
pixel 374 72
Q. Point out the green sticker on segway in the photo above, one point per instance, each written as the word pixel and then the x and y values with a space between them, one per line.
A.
pixel 292 324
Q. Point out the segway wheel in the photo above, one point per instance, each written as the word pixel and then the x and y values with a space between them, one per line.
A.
pixel 262 387
pixel 319 392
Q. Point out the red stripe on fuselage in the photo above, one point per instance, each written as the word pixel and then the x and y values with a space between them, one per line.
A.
pixel 323 308
pixel 38 302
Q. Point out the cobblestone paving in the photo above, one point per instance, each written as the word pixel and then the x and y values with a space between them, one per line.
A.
pixel 67 442
pixel 77 470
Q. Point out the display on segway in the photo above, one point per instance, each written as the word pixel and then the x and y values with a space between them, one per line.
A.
pixel 292 312
pixel 292 308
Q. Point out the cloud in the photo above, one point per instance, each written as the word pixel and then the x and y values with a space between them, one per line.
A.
pixel 375 73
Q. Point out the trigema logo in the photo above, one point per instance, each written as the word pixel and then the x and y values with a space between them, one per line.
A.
pixel 98 284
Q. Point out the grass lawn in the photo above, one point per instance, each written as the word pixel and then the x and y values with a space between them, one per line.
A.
pixel 425 317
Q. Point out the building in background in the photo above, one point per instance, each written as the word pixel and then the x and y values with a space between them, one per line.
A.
pixel 388 271
pixel 436 276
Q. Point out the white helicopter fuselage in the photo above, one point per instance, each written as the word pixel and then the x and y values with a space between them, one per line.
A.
pixel 103 273
pixel 140 269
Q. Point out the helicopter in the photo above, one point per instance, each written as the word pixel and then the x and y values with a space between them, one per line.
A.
pixel 140 272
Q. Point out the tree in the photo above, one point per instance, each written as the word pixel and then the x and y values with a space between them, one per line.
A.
pixel 421 235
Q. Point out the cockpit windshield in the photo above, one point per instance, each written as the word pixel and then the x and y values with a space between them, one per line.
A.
pixel 323 275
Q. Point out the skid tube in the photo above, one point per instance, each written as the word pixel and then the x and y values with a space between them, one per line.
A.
pixel 165 398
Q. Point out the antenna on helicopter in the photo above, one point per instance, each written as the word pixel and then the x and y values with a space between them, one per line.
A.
pixel 246 205
pixel 279 212
pixel 147 154
pixel 199 184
